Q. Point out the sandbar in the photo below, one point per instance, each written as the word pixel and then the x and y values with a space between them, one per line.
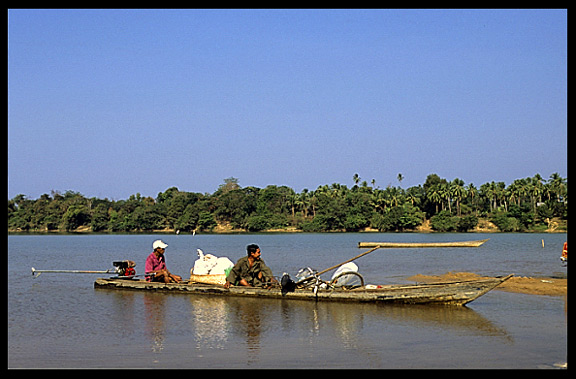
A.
pixel 518 284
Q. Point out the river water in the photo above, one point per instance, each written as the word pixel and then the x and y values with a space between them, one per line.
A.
pixel 61 321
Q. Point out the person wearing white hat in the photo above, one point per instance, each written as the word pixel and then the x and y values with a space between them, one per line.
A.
pixel 156 264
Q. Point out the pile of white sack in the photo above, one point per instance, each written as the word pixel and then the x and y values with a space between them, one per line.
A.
pixel 208 264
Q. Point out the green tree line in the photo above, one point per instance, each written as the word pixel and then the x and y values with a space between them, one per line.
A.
pixel 453 205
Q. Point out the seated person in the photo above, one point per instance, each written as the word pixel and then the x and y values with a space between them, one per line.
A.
pixel 250 271
pixel 156 264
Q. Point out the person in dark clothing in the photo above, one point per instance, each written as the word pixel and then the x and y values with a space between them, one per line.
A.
pixel 250 271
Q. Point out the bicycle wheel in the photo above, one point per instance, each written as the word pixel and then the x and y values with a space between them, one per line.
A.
pixel 349 279
pixel 307 283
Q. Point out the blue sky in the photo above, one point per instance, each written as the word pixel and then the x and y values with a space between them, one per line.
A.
pixel 111 103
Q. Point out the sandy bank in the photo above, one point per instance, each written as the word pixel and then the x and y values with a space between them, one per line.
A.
pixel 527 285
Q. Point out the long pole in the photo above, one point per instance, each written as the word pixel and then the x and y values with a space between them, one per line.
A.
pixel 338 265
pixel 38 272
pixel 349 260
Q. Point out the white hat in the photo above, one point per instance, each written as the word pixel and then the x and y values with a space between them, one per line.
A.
pixel 159 244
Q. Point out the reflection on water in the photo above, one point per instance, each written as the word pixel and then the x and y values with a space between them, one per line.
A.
pixel 61 321
pixel 246 326
pixel 210 320
pixel 461 320
pixel 155 312
pixel 249 321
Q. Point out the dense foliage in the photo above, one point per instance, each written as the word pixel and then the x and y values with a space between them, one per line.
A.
pixel 448 205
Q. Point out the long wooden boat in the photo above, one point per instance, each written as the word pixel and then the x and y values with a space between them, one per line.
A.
pixel 476 243
pixel 451 293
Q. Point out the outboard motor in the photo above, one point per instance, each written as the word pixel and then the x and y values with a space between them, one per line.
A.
pixel 125 268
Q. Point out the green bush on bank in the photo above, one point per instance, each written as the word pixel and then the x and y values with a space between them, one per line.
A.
pixel 526 204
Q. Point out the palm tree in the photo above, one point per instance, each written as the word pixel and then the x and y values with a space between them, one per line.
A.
pixel 487 190
pixel 303 201
pixel 444 191
pixel 356 179
pixel 338 190
pixel 458 191
pixel 472 192
pixel 412 196
pixel 500 194
pixel 293 200
pixel 313 201
pixel 400 178
pixel 379 201
pixel 536 190
pixel 557 186
pixel 521 187
pixel 512 193
pixel 394 195
pixel 433 194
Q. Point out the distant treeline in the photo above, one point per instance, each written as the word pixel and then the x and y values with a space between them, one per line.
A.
pixel 523 205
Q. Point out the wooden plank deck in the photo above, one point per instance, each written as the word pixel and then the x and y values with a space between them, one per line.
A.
pixel 453 293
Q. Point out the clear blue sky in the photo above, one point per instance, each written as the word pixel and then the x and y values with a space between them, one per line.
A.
pixel 114 102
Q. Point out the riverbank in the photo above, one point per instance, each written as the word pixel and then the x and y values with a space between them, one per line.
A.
pixel 484 226
pixel 533 286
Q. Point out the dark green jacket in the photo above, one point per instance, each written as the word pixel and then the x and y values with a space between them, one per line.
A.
pixel 242 270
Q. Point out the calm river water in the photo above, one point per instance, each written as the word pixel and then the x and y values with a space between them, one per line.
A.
pixel 61 321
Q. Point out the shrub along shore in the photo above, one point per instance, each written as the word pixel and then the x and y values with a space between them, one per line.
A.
pixel 532 204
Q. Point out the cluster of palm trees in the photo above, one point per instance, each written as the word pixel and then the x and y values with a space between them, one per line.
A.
pixel 329 207
pixel 443 195
pixel 534 190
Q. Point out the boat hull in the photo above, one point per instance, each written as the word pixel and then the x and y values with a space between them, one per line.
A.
pixel 450 293
pixel 384 245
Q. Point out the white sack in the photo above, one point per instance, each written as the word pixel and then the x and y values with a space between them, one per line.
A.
pixel 204 263
pixel 221 265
